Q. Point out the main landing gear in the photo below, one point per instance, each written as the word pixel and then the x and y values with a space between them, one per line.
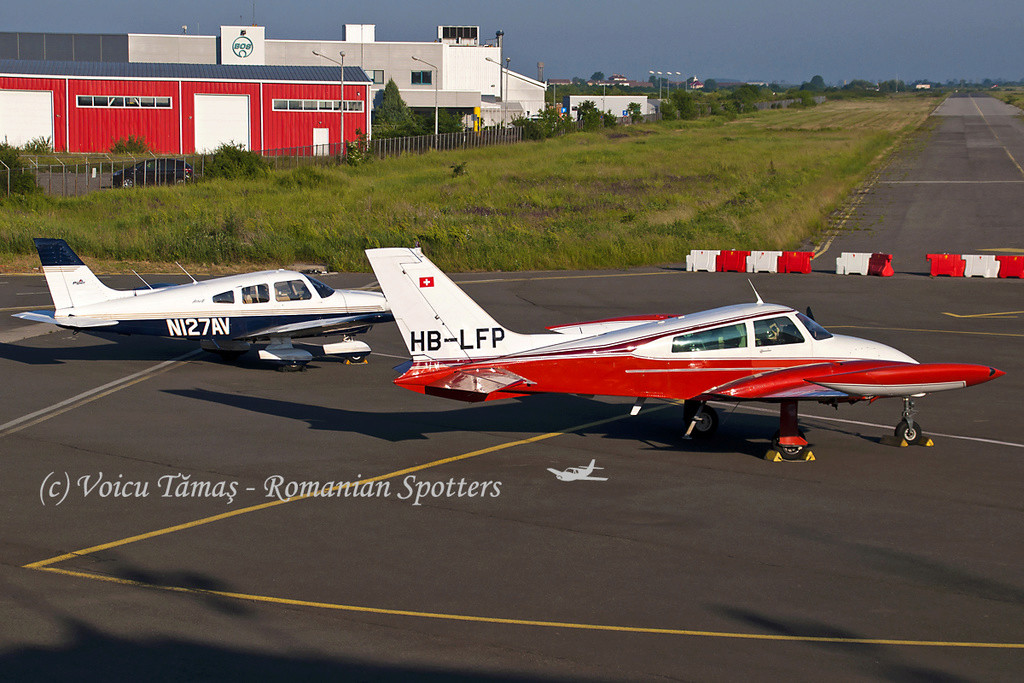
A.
pixel 789 443
pixel 701 420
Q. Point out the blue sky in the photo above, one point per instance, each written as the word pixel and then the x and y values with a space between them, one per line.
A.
pixel 781 40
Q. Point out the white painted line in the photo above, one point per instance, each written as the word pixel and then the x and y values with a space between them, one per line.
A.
pixel 58 408
pixel 872 424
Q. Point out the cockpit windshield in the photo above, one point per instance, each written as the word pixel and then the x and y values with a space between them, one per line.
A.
pixel 816 330
pixel 323 290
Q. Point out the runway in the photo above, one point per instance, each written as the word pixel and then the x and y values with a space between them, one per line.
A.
pixel 171 516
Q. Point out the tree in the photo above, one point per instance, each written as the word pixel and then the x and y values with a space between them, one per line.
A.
pixel 635 112
pixel 710 85
pixel 586 111
pixel 16 174
pixel 393 117
pixel 685 104
pixel 817 84
pixel 597 76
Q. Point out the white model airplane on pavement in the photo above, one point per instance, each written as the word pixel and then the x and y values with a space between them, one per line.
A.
pixel 578 473
pixel 226 315
pixel 746 352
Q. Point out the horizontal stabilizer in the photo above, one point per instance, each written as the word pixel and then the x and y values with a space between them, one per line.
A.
pixel 71 321
pixel 474 384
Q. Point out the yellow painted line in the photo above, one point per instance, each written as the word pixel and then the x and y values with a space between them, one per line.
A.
pixel 1010 250
pixel 85 397
pixel 542 623
pixel 1005 314
pixel 914 329
pixel 321 493
pixel 41 307
pixel 596 276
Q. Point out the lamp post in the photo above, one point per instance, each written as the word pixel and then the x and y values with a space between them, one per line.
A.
pixel 501 87
pixel 437 75
pixel 342 65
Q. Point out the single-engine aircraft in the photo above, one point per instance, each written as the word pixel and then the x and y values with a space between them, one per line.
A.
pixel 582 473
pixel 745 352
pixel 225 314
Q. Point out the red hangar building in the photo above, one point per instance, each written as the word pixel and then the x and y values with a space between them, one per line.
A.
pixel 181 108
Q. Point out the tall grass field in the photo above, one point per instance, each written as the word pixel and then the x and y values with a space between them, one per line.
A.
pixel 621 197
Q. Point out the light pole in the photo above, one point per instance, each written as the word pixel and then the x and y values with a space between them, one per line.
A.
pixel 504 108
pixel 342 65
pixel 437 75
pixel 501 86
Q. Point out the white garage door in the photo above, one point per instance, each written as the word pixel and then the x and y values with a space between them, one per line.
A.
pixel 221 119
pixel 24 115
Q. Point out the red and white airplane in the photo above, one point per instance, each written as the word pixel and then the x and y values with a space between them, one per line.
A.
pixel 746 352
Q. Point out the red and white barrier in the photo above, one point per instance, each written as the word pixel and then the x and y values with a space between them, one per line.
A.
pixel 981 265
pixel 702 260
pixel 732 261
pixel 862 263
pixel 763 261
pixel 795 261
pixel 1011 266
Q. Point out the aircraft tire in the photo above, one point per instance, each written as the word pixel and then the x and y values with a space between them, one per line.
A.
pixel 909 432
pixel 707 423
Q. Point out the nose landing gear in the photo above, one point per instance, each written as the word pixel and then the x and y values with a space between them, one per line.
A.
pixel 908 431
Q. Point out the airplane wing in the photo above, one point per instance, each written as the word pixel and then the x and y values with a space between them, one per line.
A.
pixel 311 328
pixel 852 380
pixel 73 321
pixel 474 384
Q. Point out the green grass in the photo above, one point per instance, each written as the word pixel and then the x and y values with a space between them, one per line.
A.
pixel 624 197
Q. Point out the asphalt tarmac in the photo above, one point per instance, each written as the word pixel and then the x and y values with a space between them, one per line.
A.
pixel 148 531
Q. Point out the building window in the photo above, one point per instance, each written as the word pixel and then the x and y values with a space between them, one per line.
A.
pixel 121 101
pixel 378 76
pixel 422 77
pixel 316 105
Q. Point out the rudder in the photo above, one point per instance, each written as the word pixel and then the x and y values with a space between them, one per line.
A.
pixel 72 284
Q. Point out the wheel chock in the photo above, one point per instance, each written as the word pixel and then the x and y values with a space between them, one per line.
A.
pixel 356 362
pixel 893 441
pixel 926 442
pixel 774 456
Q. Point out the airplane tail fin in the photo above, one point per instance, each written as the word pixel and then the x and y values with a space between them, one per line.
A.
pixel 437 319
pixel 70 281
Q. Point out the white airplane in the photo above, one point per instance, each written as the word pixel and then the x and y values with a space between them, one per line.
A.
pixel 745 352
pixel 578 473
pixel 226 315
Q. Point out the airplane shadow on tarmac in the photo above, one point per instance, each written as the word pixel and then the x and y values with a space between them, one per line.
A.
pixel 743 433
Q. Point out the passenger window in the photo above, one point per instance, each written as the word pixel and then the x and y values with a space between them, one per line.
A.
pixel 292 290
pixel 776 331
pixel 256 294
pixel 227 297
pixel 728 337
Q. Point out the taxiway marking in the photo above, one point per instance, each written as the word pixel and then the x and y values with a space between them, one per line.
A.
pixel 735 635
pixel 1004 314
pixel 914 329
pixel 91 395
pixel 996 136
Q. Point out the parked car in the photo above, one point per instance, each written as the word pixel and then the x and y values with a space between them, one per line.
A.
pixel 153 172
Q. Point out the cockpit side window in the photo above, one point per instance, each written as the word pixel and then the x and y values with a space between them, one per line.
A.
pixel 817 331
pixel 291 290
pixel 256 294
pixel 323 290
pixel 227 297
pixel 776 331
pixel 727 337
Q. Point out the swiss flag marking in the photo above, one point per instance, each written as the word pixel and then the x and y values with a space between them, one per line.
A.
pixel 426 282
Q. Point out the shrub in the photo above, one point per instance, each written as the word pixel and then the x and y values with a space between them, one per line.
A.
pixel 232 161
pixel 39 145
pixel 130 145
pixel 21 179
pixel 532 130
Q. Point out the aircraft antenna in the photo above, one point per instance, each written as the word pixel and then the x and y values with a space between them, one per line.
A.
pixel 755 292
pixel 190 274
pixel 143 280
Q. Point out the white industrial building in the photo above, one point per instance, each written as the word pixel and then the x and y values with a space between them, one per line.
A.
pixel 616 105
pixel 457 70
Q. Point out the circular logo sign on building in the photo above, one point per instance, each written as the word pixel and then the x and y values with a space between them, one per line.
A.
pixel 242 47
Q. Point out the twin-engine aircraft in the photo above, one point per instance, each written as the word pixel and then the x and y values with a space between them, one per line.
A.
pixel 746 352
pixel 225 315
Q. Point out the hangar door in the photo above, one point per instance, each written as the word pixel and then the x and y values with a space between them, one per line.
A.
pixel 221 119
pixel 24 115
